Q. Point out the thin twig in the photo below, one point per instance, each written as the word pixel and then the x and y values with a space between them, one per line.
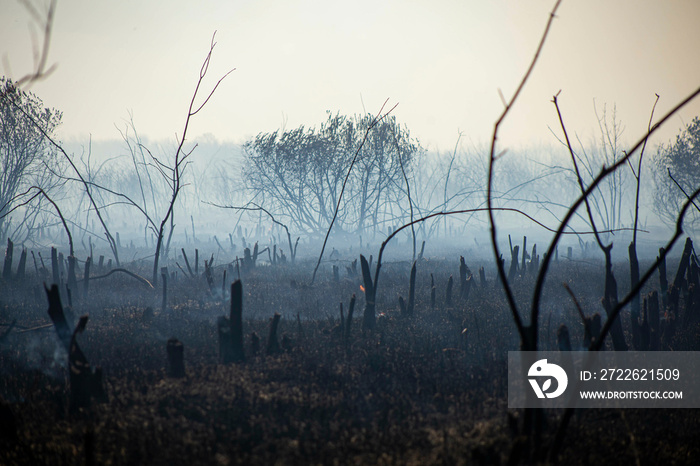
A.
pixel 372 124
pixel 131 274
pixel 578 173
pixel 525 338
pixel 638 175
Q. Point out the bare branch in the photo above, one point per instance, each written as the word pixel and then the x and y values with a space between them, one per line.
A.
pixel 40 55
pixel 525 338
pixel 380 116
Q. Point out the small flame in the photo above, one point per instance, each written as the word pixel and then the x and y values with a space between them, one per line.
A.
pixel 362 288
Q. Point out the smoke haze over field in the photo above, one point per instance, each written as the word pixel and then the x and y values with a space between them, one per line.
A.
pixel 444 62
pixel 133 66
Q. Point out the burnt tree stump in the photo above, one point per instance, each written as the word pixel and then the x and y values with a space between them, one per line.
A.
pixel 351 310
pixel 7 266
pixel 448 292
pixel 236 319
pixel 54 267
pixel 58 317
pixel 663 280
pixel 635 309
pixel 85 384
pixel 231 328
pixel 22 265
pixel 369 319
pixel 610 301
pixel 72 281
pixel 176 358
pixel 654 318
pixel 273 345
pixel 86 277
pixel 187 262
pixel 254 343
pixel 563 340
pixel 513 262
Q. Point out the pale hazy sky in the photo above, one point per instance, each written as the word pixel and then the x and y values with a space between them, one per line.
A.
pixel 442 61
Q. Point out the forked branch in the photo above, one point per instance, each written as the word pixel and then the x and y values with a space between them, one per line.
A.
pixel 380 116
pixel 526 338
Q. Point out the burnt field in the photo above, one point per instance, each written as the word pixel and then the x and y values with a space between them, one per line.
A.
pixel 426 384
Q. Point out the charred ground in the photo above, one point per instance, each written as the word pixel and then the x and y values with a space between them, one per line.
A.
pixel 423 389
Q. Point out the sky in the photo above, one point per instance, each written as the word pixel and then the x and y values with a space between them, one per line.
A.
pixel 443 62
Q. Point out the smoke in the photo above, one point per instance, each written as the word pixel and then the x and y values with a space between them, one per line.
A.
pixel 31 351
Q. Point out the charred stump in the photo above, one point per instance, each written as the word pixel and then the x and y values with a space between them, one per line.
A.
pixel 663 280
pixel 273 345
pixel 563 339
pixel 369 319
pixel 176 358
pixel 340 328
pixel 680 282
pixel 534 265
pixel 464 279
pixel 58 317
pixel 448 292
pixel 231 328
pixel 7 266
pixel 412 291
pixel 85 384
pixel 196 262
pixel 61 266
pixel 236 319
pixel 187 262
pixel 72 279
pixel 692 304
pixel 670 315
pixel 644 329
pixel 86 277
pixel 402 307
pixel 610 301
pixel 54 267
pixel 208 272
pixel 592 327
pixel 654 319
pixel 635 309
pixel 254 343
pixel 351 310
pixel 22 265
pixel 515 250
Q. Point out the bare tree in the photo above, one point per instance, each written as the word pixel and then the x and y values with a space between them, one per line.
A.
pixel 173 173
pixel 26 155
pixel 676 173
pixel 300 173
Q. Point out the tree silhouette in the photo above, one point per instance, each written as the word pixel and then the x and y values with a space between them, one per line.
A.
pixel 26 156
